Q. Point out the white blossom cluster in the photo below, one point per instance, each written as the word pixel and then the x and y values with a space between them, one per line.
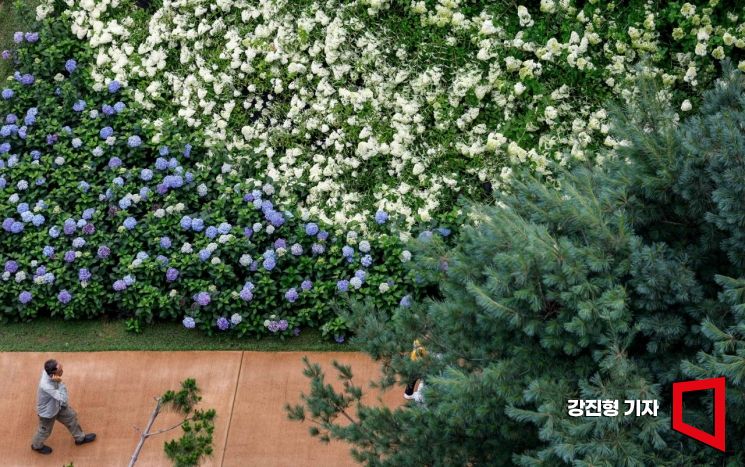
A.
pixel 346 117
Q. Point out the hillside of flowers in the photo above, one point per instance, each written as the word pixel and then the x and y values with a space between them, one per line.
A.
pixel 104 212
pixel 240 166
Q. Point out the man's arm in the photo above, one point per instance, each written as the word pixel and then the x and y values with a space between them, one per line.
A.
pixel 59 393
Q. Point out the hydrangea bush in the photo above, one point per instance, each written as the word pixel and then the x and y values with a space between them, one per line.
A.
pixel 105 212
pixel 355 106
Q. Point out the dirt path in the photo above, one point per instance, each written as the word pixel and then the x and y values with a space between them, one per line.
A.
pixel 113 392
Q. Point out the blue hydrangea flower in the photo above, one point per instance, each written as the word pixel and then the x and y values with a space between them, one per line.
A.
pixel 78 242
pixel 79 106
pixel 248 231
pixel 342 285
pixel 297 249
pixel 71 65
pixel 405 301
pixel 106 132
pixel 119 107
pixel 115 163
pixel 291 295
pixel 38 220
pixel 444 231
pixel 69 256
pixel 18 37
pixel 118 181
pixel 317 248
pixel 54 232
pixel 246 294
pixel 381 217
pixel 8 94
pixel 347 251
pixel 306 285
pixel 188 322
pixel 186 222
pixel 161 164
pixel 224 228
pixel 187 150
pixel 163 151
pixel 197 224
pixel 48 251
pixel 84 275
pixel 172 274
pixel 269 263
pixel 211 232
pixel 222 323
pixel 16 227
pixel 32 37
pixel 146 175
pixel 64 296
pixel 360 274
pixel 202 298
pixel 25 297
pixel 425 236
pixel 88 213
pixel 134 141
pixel 11 266
pixel 204 255
pixel 165 242
pixel 84 186
pixel 107 110
pixel 323 235
pixel 114 86
pixel 128 279
pixel 130 223
pixel 119 285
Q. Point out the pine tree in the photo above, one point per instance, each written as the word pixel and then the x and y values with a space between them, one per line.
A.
pixel 611 285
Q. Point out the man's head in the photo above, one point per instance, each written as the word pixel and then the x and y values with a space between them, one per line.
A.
pixel 53 367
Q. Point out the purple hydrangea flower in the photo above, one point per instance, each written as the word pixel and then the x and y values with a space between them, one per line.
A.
pixel 119 285
pixel 283 324
pixel 296 332
pixel 161 164
pixel 89 229
pixel 211 232
pixel 32 37
pixel 165 242
pixel 317 248
pixel 64 297
pixel 11 266
pixel 248 231
pixel 306 285
pixel 78 242
pixel 280 243
pixel 339 339
pixel 48 251
pixel 128 279
pixel 224 228
pixel 69 256
pixel 79 106
pixel 130 223
pixel 186 222
pixel 114 86
pixel 202 298
pixel 291 295
pixel 347 251
pixel 16 227
pixel 54 232
pixel 25 297
pixel 323 235
pixel 8 94
pixel 276 219
pixel 246 294
pixel 366 261
pixel 188 322
pixel 360 274
pixel 103 251
pixel 297 249
pixel 27 79
pixel 172 274
pixel 311 229
pixel 164 151
pixel 119 107
pixel 107 110
pixel 18 37
pixel 222 323
pixel 7 54
pixel 204 255
pixel 84 275
pixel 187 150
pixel 342 285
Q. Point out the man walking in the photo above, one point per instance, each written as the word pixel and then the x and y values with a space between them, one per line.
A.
pixel 51 405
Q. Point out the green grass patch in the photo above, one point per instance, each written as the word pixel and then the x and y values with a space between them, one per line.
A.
pixel 10 22
pixel 51 335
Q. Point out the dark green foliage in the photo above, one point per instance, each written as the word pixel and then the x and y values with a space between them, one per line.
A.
pixel 607 287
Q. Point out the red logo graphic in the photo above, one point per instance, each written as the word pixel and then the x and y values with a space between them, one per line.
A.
pixel 717 384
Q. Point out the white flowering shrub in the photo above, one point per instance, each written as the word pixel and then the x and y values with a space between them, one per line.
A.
pixel 354 106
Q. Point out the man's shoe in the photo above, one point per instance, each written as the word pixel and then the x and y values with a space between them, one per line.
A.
pixel 44 449
pixel 408 396
pixel 88 438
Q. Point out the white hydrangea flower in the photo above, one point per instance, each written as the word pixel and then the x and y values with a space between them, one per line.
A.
pixel 383 287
